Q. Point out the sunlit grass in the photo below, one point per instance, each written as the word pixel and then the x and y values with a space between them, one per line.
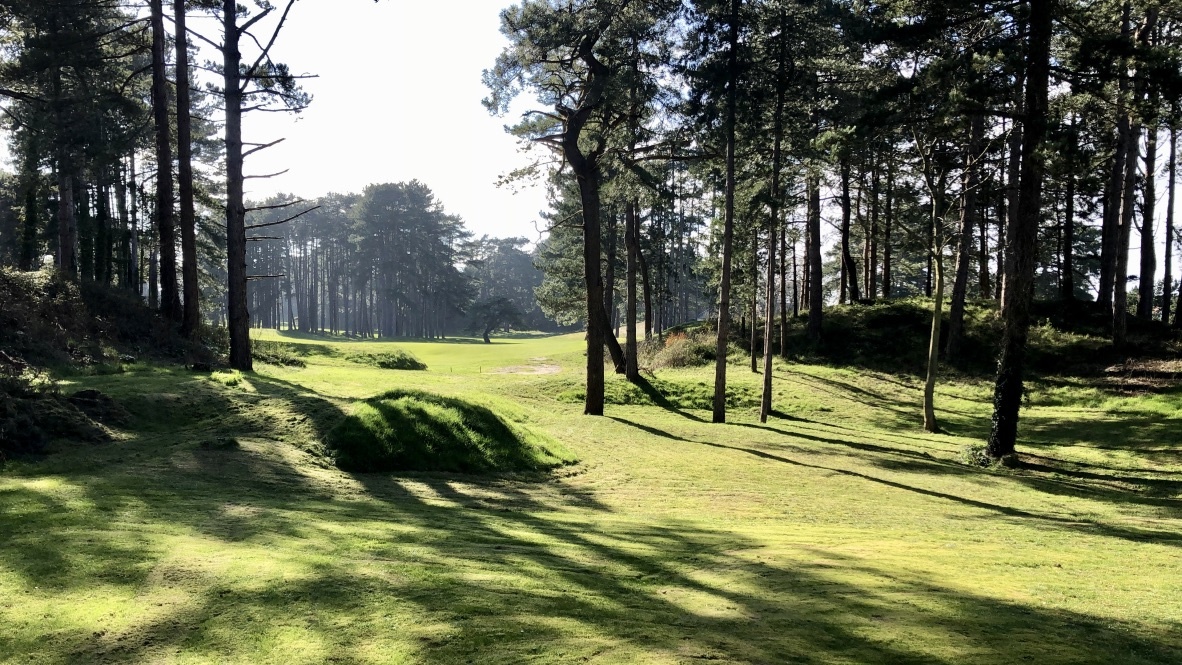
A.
pixel 837 532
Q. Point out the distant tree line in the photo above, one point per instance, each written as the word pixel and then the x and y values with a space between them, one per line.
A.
pixel 389 262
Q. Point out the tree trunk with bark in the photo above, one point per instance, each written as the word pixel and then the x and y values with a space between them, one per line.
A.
pixel 238 315
pixel 1147 285
pixel 964 248
pixel 728 232
pixel 632 246
pixel 191 319
pixel 170 299
pixel 816 294
pixel 1008 390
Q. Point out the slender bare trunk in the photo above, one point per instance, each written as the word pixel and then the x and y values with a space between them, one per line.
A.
pixel 929 387
pixel 964 248
pixel 816 296
pixel 728 232
pixel 631 243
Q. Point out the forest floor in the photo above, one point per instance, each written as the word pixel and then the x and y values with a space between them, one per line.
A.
pixel 212 530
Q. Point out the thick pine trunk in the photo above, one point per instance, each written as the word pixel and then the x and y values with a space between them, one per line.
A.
pixel 1007 397
pixel 238 315
pixel 67 223
pixel 170 299
pixel 191 317
pixel 1171 199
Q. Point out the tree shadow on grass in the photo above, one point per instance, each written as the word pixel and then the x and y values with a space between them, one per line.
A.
pixel 1082 525
pixel 508 586
pixel 449 569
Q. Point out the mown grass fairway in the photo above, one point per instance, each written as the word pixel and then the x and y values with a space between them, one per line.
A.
pixel 837 533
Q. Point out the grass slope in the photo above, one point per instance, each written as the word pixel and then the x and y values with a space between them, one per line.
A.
pixel 836 533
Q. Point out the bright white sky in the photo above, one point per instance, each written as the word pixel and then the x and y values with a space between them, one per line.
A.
pixel 397 98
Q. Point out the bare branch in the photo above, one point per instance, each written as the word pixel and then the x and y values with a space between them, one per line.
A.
pixel 282 221
pixel 263 177
pixel 278 206
pixel 261 146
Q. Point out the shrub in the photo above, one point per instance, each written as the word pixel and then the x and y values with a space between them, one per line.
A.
pixel 275 353
pixel 685 350
pixel 396 359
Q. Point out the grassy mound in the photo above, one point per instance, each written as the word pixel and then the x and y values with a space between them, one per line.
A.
pixel 409 430
pixel 396 359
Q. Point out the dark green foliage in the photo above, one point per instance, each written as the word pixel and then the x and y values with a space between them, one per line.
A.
pixel 486 316
pixel 275 353
pixel 396 359
pixel 407 430
pixel 33 413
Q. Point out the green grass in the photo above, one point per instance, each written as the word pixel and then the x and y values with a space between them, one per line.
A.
pixel 836 533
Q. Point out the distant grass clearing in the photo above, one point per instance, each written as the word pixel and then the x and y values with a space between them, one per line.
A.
pixel 410 430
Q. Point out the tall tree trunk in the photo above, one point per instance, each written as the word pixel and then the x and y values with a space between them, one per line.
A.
pixel 929 386
pixel 753 306
pixel 238 314
pixel 783 289
pixel 1146 287
pixel 170 299
pixel 774 231
pixel 1120 298
pixel 32 222
pixel 872 271
pixel 728 231
pixel 816 294
pixel 67 223
pixel 647 288
pixel 1171 199
pixel 609 273
pixel 133 218
pixel 964 248
pixel 1013 181
pixel 849 268
pixel 191 319
pixel 889 220
pixel 1110 231
pixel 1067 283
pixel 1007 396
pixel 631 244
